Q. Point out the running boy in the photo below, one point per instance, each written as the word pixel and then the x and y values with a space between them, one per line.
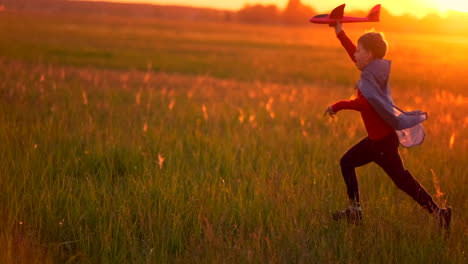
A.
pixel 386 126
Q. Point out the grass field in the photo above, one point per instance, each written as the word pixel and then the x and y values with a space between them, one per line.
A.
pixel 153 141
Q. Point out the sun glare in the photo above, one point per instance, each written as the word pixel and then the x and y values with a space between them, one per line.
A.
pixel 454 5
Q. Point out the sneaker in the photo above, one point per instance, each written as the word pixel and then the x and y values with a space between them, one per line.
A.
pixel 352 214
pixel 445 217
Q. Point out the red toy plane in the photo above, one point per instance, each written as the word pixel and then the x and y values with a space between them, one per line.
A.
pixel 337 15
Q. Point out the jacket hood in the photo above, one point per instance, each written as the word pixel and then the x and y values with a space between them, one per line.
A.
pixel 380 69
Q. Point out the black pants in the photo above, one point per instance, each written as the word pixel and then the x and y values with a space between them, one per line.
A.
pixel 385 154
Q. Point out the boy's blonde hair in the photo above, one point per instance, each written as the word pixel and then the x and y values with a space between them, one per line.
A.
pixel 375 43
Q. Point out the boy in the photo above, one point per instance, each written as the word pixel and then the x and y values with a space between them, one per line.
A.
pixel 386 125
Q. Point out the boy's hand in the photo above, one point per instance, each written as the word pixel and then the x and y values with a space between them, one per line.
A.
pixel 330 112
pixel 338 27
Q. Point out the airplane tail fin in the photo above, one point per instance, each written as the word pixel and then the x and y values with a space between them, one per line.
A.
pixel 374 14
pixel 337 13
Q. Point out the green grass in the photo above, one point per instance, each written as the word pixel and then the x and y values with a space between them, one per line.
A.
pixel 242 52
pixel 89 110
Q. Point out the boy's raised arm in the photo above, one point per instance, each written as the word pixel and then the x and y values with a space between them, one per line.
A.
pixel 345 41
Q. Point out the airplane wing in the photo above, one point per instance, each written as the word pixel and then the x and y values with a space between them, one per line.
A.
pixel 337 15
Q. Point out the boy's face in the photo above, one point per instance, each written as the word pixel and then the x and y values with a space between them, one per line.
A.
pixel 362 56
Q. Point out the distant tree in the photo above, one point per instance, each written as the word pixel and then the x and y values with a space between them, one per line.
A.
pixel 453 23
pixel 258 14
pixel 432 22
pixel 228 16
pixel 297 13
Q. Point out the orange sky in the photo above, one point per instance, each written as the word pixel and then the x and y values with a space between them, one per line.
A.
pixel 416 7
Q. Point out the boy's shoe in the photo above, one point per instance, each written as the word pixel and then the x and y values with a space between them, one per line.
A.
pixel 352 214
pixel 445 217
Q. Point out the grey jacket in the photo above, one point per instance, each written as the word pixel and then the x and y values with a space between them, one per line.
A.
pixel 375 88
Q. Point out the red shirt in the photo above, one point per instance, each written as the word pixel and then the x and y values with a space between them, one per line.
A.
pixel 376 127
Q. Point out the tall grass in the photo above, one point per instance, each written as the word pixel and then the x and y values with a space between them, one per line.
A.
pixel 112 165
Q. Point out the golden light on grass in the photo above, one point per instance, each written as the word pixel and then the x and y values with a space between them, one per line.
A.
pixel 241 116
pixel 138 98
pixel 171 93
pixel 62 74
pixel 205 113
pixel 85 97
pixel 150 99
pixel 417 99
pixel 448 118
pixel 269 104
pixel 439 193
pixel 160 160
pixel 190 93
pixel 447 97
pixel 252 118
pixel 292 97
pixel 293 113
pixel 252 121
pixel 124 78
pixel 268 107
pixel 171 104
pixel 452 141
pixel 258 164
pixel 147 77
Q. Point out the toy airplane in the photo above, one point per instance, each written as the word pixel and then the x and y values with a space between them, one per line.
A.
pixel 337 15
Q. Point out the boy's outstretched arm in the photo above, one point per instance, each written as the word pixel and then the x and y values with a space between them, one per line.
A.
pixel 345 41
pixel 357 104
pixel 330 112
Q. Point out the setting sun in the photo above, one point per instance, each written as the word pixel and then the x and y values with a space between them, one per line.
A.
pixel 418 8
pixel 455 5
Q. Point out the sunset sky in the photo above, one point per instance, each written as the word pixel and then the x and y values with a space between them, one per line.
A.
pixel 416 7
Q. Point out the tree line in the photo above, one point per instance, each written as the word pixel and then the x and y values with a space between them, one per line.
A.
pixel 297 13
pixel 294 13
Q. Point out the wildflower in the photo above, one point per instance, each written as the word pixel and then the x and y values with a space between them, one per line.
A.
pixel 205 113
pixel 241 116
pixel 439 193
pixel 85 97
pixel 161 160
pixel 171 104
pixel 138 97
pixel 147 77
